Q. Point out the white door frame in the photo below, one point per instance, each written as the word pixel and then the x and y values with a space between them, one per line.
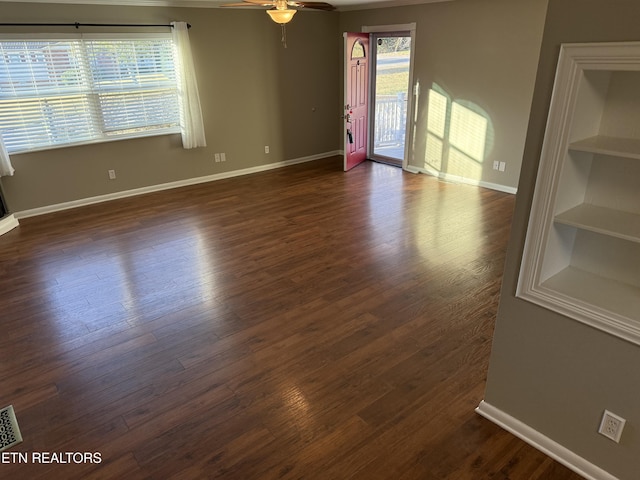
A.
pixel 398 28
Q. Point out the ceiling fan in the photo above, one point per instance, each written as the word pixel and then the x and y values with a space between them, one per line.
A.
pixel 280 11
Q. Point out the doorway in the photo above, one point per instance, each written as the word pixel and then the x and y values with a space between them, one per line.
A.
pixel 390 96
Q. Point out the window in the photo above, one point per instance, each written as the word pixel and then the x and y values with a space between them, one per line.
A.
pixel 357 51
pixel 84 89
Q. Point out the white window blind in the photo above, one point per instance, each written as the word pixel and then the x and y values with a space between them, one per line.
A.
pixel 56 92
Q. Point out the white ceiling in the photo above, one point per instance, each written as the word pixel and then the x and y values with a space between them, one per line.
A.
pixel 339 4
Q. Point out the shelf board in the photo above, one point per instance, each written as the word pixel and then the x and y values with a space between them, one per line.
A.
pixel 611 295
pixel 616 146
pixel 606 221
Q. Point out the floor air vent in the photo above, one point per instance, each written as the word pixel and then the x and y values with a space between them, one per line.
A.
pixel 9 430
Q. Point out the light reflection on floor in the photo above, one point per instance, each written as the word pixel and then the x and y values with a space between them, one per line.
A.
pixel 108 284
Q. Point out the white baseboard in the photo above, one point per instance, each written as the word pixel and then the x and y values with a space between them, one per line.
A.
pixel 454 178
pixel 166 186
pixel 8 223
pixel 543 443
pixel 467 181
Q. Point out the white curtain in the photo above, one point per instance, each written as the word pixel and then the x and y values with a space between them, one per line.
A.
pixel 6 169
pixel 190 112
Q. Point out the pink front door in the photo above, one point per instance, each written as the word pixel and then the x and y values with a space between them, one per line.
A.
pixel 356 98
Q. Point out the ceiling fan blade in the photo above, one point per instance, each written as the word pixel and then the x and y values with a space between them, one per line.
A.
pixel 251 3
pixel 315 5
pixel 272 3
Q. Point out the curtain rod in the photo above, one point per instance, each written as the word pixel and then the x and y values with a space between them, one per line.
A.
pixel 78 25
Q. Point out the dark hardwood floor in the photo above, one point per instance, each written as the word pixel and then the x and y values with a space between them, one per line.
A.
pixel 301 323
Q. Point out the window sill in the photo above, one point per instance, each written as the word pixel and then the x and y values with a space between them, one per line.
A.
pixel 155 133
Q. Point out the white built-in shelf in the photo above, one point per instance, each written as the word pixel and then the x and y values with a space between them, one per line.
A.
pixel 606 221
pixel 588 270
pixel 591 289
pixel 615 146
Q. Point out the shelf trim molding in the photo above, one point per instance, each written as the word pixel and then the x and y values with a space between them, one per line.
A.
pixel 573 61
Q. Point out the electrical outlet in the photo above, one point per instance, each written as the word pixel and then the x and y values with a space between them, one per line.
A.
pixel 223 157
pixel 502 166
pixel 112 174
pixel 611 426
pixel 266 149
pixel 217 157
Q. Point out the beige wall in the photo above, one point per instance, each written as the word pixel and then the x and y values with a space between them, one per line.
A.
pixel 253 92
pixel 553 373
pixel 482 54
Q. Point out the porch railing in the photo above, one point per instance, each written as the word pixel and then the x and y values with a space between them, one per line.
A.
pixel 390 120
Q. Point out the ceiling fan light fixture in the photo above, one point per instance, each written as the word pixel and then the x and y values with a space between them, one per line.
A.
pixel 281 16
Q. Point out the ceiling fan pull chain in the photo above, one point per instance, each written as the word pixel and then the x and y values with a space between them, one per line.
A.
pixel 284 35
